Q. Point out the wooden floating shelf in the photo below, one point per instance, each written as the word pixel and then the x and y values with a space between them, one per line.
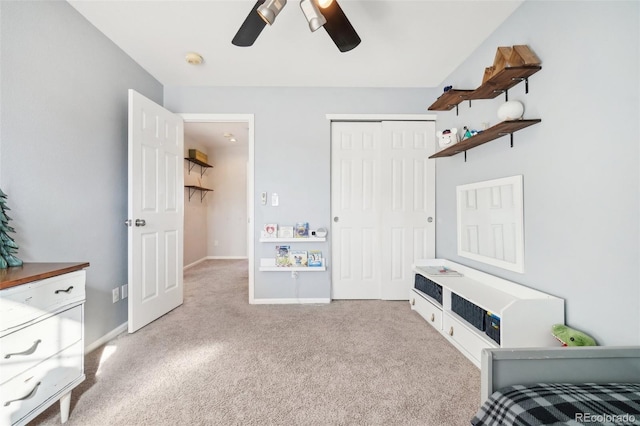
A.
pixel 501 129
pixel 503 81
pixel 450 99
pixel 496 85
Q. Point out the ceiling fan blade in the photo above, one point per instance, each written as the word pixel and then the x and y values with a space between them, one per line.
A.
pixel 250 28
pixel 339 28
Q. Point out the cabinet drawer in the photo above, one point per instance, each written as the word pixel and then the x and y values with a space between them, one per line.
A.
pixel 26 347
pixel 24 303
pixel 430 312
pixel 25 392
pixel 466 336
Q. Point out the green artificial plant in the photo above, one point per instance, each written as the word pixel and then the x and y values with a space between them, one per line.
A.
pixel 8 246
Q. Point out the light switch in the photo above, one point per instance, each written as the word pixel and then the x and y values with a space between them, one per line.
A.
pixel 274 199
pixel 263 198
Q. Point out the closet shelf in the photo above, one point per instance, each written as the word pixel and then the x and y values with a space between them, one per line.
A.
pixel 203 166
pixel 193 188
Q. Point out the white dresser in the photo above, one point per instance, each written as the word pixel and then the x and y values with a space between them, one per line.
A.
pixel 41 338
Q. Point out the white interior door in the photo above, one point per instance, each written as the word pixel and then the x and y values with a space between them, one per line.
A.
pixel 382 196
pixel 156 211
pixel 355 204
pixel 408 188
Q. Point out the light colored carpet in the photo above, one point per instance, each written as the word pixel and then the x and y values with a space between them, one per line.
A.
pixel 217 360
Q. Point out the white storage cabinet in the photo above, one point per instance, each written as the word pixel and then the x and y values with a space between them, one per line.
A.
pixel 526 315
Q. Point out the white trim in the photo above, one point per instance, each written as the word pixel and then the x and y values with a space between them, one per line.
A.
pixel 381 117
pixel 192 264
pixel 293 240
pixel 292 268
pixel 290 301
pixel 249 119
pixel 107 337
pixel 226 257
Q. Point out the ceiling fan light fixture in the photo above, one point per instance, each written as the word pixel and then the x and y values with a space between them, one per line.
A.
pixel 339 28
pixel 313 15
pixel 323 3
pixel 270 9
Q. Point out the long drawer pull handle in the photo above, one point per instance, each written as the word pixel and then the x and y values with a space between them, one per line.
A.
pixel 29 351
pixel 29 395
pixel 66 291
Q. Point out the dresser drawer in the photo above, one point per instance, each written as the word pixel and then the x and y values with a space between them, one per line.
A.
pixel 24 303
pixel 466 336
pixel 25 392
pixel 430 312
pixel 31 345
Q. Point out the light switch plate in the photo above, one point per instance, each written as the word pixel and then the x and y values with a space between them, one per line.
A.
pixel 274 199
pixel 263 198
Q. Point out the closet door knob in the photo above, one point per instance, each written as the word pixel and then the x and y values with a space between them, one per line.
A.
pixel 451 331
pixel 140 222
pixel 336 219
pixel 433 317
pixel 413 302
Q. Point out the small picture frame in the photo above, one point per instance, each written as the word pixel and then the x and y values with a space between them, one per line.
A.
pixel 270 230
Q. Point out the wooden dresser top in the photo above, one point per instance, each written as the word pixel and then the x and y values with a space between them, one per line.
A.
pixel 29 272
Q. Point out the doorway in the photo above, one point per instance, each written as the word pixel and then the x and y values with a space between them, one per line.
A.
pixel 220 222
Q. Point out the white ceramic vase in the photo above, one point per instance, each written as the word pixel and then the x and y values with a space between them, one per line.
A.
pixel 510 110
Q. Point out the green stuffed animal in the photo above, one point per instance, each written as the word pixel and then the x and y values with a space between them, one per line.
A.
pixel 571 337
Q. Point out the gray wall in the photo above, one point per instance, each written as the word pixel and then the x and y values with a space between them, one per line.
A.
pixel 64 146
pixel 292 157
pixel 580 165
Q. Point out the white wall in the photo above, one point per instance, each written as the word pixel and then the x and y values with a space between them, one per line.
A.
pixel 63 141
pixel 227 211
pixel 580 165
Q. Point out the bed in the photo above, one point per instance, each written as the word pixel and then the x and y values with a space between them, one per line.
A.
pixel 560 386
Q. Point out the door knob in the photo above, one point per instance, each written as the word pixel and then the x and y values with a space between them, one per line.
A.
pixel 140 222
pixel 336 219
pixel 127 222
pixel 429 219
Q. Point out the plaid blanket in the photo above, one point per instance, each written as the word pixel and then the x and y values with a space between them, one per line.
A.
pixel 562 404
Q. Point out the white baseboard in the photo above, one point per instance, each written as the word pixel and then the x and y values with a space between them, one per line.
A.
pixel 104 339
pixel 191 265
pixel 288 301
pixel 227 257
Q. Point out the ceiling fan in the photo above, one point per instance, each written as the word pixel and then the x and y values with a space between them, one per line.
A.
pixel 319 13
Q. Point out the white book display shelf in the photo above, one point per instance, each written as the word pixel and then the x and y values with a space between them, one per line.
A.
pixel 523 316
pixel 269 264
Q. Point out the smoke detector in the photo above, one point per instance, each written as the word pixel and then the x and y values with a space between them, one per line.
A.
pixel 194 58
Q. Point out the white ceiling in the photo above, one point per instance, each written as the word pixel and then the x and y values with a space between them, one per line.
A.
pixel 415 43
pixel 212 135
